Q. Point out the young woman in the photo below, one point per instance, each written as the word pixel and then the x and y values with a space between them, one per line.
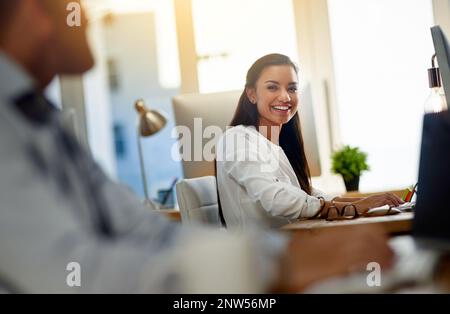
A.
pixel 262 170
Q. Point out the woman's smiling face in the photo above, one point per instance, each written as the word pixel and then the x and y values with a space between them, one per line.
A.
pixel 275 95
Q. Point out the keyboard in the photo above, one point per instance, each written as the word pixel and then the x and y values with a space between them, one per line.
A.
pixel 407 207
pixel 387 210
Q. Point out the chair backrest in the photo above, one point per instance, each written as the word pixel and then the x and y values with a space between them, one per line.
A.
pixel 197 199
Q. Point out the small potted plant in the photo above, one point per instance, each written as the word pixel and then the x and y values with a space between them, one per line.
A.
pixel 350 163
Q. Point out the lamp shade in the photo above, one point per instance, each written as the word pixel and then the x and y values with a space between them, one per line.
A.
pixel 150 121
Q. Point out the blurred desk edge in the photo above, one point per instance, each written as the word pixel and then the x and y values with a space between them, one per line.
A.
pixel 393 224
pixel 172 214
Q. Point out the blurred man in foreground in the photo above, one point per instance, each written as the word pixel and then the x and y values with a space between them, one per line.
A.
pixel 58 208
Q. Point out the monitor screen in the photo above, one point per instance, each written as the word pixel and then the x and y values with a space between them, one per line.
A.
pixel 442 49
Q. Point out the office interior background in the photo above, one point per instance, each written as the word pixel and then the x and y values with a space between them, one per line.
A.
pixel 365 60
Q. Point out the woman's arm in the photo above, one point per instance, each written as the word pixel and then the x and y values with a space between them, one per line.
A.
pixel 362 205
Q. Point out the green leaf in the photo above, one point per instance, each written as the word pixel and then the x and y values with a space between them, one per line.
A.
pixel 349 162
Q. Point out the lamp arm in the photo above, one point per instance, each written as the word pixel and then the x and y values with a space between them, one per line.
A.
pixel 147 201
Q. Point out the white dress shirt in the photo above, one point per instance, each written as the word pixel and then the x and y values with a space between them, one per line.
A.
pixel 257 184
pixel 47 223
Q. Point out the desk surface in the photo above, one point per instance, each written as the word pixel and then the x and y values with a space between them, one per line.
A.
pixel 172 214
pixel 394 224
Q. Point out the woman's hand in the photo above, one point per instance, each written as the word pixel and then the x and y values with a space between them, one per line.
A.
pixel 311 258
pixel 367 203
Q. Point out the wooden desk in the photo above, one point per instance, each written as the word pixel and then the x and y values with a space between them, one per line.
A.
pixel 172 214
pixel 394 224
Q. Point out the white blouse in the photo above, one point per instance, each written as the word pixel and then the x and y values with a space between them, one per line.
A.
pixel 257 184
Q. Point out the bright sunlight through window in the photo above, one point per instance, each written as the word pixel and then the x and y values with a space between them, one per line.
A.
pixel 382 50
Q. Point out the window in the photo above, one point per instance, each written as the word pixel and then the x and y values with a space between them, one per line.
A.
pixel 231 34
pixel 382 50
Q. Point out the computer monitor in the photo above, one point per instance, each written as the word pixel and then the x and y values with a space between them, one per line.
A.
pixel 217 109
pixel 442 49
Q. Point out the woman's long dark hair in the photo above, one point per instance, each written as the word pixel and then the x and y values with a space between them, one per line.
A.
pixel 291 139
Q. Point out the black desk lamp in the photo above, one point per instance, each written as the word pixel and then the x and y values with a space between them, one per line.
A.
pixel 150 123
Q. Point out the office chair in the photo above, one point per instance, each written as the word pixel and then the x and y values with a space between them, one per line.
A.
pixel 197 199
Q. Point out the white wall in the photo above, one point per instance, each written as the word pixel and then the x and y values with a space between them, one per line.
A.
pixel 316 64
pixel 98 107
